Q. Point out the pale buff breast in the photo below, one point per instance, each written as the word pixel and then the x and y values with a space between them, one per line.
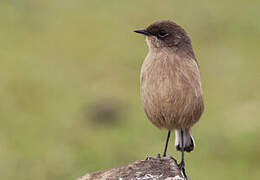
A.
pixel 171 90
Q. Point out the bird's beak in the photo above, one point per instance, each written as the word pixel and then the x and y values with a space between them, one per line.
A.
pixel 142 31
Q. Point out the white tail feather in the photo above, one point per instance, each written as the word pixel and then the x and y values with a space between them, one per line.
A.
pixel 188 140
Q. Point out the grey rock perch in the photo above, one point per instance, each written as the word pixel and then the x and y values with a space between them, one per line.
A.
pixel 149 169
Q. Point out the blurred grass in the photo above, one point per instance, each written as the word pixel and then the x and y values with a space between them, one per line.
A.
pixel 60 57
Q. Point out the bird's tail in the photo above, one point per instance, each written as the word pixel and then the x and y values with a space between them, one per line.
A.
pixel 188 140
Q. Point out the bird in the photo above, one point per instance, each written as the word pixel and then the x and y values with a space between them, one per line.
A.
pixel 170 84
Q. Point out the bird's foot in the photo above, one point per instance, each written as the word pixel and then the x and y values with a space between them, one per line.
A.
pixel 181 165
pixel 182 168
pixel 148 158
pixel 159 157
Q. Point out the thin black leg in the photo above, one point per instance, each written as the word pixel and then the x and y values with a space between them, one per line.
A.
pixel 182 163
pixel 166 145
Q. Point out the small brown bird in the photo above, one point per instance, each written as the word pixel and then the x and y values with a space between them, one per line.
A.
pixel 170 83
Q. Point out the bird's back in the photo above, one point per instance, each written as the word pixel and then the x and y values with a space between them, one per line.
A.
pixel 171 90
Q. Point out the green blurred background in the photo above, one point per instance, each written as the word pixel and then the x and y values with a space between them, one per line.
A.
pixel 69 90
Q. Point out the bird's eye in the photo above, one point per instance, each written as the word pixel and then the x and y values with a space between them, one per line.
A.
pixel 162 34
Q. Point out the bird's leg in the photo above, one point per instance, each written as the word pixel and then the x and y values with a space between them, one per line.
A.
pixel 166 145
pixel 182 163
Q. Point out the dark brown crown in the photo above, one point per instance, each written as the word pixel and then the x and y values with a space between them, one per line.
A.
pixel 172 35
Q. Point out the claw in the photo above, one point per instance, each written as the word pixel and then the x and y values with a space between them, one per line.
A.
pixel 181 165
pixel 182 168
pixel 148 158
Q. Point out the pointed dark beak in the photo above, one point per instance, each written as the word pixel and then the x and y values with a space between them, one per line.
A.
pixel 142 31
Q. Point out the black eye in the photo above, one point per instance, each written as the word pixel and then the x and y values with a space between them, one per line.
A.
pixel 162 34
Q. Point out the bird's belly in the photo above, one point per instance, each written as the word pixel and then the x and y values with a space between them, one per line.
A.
pixel 170 104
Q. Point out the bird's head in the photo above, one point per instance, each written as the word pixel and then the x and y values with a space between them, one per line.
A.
pixel 166 34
